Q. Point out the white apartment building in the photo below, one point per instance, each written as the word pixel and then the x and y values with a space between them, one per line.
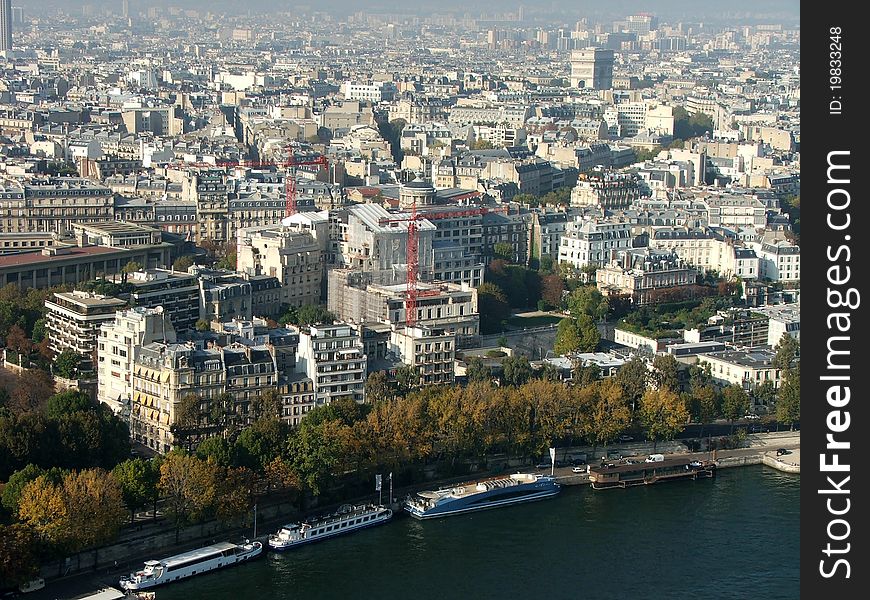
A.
pixel 379 91
pixel 783 319
pixel 588 242
pixel 73 321
pixel 779 259
pixel 117 342
pixel 332 357
pixel 295 257
pixel 706 251
pixel 748 369
pixel 430 351
pixel 734 211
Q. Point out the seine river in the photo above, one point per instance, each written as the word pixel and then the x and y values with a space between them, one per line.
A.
pixel 735 536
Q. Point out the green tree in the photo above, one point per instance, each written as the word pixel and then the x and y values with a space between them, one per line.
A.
pixel 735 403
pixel 261 443
pixel 493 308
pixel 788 404
pixel 182 263
pixel 633 377
pixel 589 334
pixel 407 378
pixel 39 330
pixel 19 554
pixel 84 490
pixel 378 387
pixel 663 413
pixel 202 325
pixel 584 375
pixel 216 449
pixel 567 337
pixel 587 300
pixel 477 371
pixel 16 484
pixel 311 314
pixel 504 251
pixel 228 261
pixel 137 479
pixel 787 352
pixel 316 450
pixel 645 154
pixel 66 364
pixel 666 372
pixel 68 402
pixel 516 370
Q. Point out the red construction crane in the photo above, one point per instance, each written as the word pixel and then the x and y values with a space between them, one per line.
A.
pixel 413 250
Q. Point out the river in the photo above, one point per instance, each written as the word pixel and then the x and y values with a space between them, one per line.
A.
pixel 735 536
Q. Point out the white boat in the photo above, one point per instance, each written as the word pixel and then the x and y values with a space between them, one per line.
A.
pixel 489 493
pixel 188 564
pixel 346 519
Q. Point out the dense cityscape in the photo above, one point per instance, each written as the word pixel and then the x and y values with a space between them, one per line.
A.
pixel 277 259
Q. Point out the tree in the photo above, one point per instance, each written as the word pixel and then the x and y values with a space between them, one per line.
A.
pixel 189 486
pixel 215 449
pixel 587 300
pixel 735 403
pixel 16 484
pixel 589 334
pixel 606 411
pixel 552 287
pixel 68 402
pixel 131 267
pixel 407 378
pixel 17 340
pixel 493 308
pixel 633 377
pixel 19 554
pixel 504 251
pixel 317 449
pixel 567 337
pixel 482 145
pixel 202 325
pixel 788 404
pixel 84 490
pixel 516 370
pixel 182 263
pixel 477 372
pixel 39 330
pixel 584 375
pixel 260 444
pixel 311 314
pixel 42 507
pixel 32 389
pixel 787 352
pixel 137 479
pixel 666 372
pixel 66 364
pixel 228 262
pixel 235 488
pixel 267 405
pixel 663 414
pixel 378 387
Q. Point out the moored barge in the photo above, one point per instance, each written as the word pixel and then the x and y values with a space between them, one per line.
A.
pixel 648 473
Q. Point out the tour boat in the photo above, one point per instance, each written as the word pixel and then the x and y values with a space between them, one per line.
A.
pixel 490 493
pixel 346 519
pixel 188 564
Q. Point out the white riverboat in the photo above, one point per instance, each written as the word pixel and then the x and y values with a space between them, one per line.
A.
pixel 489 493
pixel 188 564
pixel 346 519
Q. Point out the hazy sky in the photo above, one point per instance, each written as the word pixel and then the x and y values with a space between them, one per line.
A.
pixel 686 10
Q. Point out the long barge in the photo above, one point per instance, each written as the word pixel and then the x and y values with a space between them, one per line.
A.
pixel 648 473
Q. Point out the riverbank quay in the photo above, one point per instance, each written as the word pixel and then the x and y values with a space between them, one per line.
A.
pixel 103 566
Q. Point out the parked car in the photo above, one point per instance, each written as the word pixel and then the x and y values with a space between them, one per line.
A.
pixel 578 462
pixel 578 469
pixel 751 416
pixel 543 465
pixel 626 438
pixel 781 451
